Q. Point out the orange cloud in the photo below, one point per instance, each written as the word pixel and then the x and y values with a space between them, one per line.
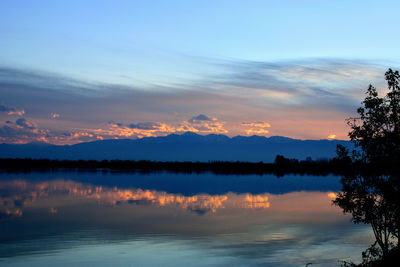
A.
pixel 186 127
pixel 259 131
pixel 256 128
pixel 213 127
pixel 259 124
pixel 157 129
pixel 205 124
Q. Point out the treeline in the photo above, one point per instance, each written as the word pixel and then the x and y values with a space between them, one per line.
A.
pixel 280 167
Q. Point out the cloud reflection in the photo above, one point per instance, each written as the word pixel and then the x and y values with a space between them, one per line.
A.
pixel 248 226
pixel 17 194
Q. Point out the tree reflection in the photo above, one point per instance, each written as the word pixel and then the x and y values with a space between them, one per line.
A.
pixel 373 200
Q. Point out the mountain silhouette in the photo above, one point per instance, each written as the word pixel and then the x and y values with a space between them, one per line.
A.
pixel 185 147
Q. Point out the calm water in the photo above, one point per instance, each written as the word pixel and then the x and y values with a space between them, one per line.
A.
pixel 164 219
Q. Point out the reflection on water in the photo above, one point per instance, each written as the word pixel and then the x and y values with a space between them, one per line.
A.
pixel 17 194
pixel 79 222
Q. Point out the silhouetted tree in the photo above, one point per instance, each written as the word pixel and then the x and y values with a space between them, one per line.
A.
pixel 377 130
pixel 372 197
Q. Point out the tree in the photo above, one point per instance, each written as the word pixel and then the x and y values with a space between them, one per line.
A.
pixel 373 197
pixel 377 130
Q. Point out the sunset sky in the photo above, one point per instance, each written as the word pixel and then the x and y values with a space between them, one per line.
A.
pixel 73 71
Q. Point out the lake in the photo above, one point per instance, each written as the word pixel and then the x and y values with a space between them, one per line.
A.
pixel 165 219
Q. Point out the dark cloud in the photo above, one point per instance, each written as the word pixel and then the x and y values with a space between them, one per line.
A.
pixel 199 118
pixel 11 110
pixel 22 131
pixel 139 125
pixel 144 125
pixel 25 124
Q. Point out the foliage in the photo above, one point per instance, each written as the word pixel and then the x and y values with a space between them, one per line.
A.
pixel 280 167
pixel 372 197
pixel 377 129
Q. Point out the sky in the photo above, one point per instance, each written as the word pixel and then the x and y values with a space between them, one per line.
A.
pixel 75 71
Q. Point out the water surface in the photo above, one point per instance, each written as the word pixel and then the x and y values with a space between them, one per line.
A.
pixel 109 219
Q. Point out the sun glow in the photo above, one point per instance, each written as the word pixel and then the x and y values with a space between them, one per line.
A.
pixel 331 136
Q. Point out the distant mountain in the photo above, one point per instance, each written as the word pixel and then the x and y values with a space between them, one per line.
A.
pixel 186 147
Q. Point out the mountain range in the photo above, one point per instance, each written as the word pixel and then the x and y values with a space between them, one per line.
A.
pixel 185 147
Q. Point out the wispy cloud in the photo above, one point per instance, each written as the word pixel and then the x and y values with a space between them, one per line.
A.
pixel 335 83
pixel 259 124
pixel 301 99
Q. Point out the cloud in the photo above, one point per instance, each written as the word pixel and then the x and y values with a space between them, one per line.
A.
pixel 11 110
pixel 204 124
pixel 116 130
pixel 22 122
pixel 199 118
pixel 259 124
pixel 300 98
pixel 92 103
pixel 145 125
pixel 256 128
pixel 186 127
pixel 313 83
pixel 115 124
pixel 22 131
pixel 198 124
pixel 259 131
pixel 136 130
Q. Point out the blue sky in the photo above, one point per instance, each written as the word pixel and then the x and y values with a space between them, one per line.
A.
pixel 104 40
pixel 201 49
